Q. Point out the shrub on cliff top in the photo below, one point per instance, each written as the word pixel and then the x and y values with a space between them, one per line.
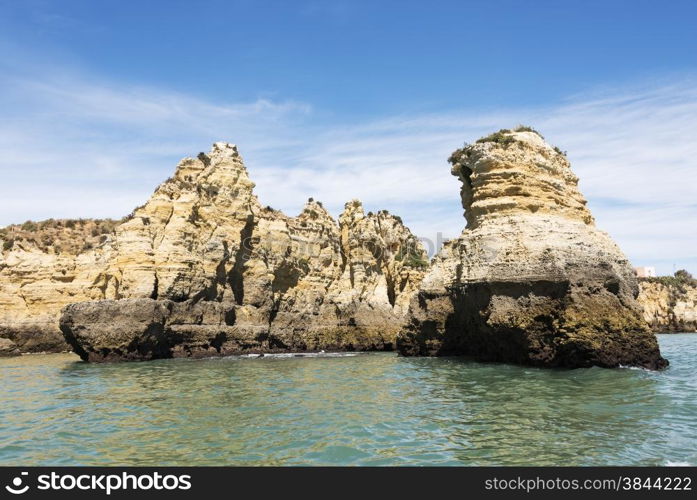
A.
pixel 682 274
pixel 527 128
pixel 47 224
pixel 68 235
pixel 679 280
pixel 29 226
pixel 501 137
pixel 457 154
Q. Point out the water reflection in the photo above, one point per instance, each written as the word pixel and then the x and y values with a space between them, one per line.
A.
pixel 552 417
pixel 373 409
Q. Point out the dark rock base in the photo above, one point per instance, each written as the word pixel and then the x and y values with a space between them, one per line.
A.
pixel 542 323
pixel 677 327
pixel 146 329
pixel 34 338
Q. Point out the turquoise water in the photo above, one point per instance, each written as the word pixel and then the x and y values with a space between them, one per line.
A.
pixel 369 409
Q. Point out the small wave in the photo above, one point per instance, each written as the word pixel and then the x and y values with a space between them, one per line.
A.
pixel 670 463
pixel 639 368
pixel 282 355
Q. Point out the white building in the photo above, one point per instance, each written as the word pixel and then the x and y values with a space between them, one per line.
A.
pixel 645 272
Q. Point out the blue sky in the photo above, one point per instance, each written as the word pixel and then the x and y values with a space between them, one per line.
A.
pixel 343 99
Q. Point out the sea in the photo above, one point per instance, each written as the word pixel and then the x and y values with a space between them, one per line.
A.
pixel 376 409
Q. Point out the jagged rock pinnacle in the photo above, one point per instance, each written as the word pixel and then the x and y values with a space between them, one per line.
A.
pixel 207 270
pixel 511 173
pixel 530 280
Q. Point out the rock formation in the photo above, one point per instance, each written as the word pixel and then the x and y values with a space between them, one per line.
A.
pixel 669 305
pixel 203 269
pixel 8 347
pixel 43 267
pixel 531 280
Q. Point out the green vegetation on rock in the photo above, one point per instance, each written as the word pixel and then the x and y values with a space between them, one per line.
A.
pixel 70 236
pixel 412 258
pixel 679 280
pixel 527 128
pixel 501 137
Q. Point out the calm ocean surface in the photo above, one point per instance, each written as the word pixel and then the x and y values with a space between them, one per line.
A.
pixel 368 409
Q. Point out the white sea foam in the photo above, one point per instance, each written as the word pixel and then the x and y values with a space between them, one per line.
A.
pixel 282 355
pixel 636 368
pixel 311 355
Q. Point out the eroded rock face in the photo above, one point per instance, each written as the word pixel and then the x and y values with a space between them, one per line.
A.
pixel 669 307
pixel 142 329
pixel 203 269
pixel 8 348
pixel 36 282
pixel 531 280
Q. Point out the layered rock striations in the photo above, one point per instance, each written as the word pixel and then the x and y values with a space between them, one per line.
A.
pixel 669 305
pixel 204 269
pixel 43 267
pixel 531 280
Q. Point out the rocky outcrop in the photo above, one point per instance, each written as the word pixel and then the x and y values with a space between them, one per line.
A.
pixel 669 305
pixel 143 329
pixel 43 267
pixel 204 269
pixel 531 280
pixel 8 348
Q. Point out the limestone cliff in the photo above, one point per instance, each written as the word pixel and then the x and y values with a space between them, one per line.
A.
pixel 203 269
pixel 669 305
pixel 43 267
pixel 531 279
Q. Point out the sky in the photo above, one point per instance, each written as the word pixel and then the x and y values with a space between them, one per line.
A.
pixel 351 99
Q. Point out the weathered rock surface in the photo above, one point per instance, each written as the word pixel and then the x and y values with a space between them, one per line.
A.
pixel 38 278
pixel 8 348
pixel 531 280
pixel 142 329
pixel 203 269
pixel 669 307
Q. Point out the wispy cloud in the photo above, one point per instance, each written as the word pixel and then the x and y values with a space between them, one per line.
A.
pixel 71 146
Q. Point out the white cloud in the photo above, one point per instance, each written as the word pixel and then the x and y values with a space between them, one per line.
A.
pixel 74 147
